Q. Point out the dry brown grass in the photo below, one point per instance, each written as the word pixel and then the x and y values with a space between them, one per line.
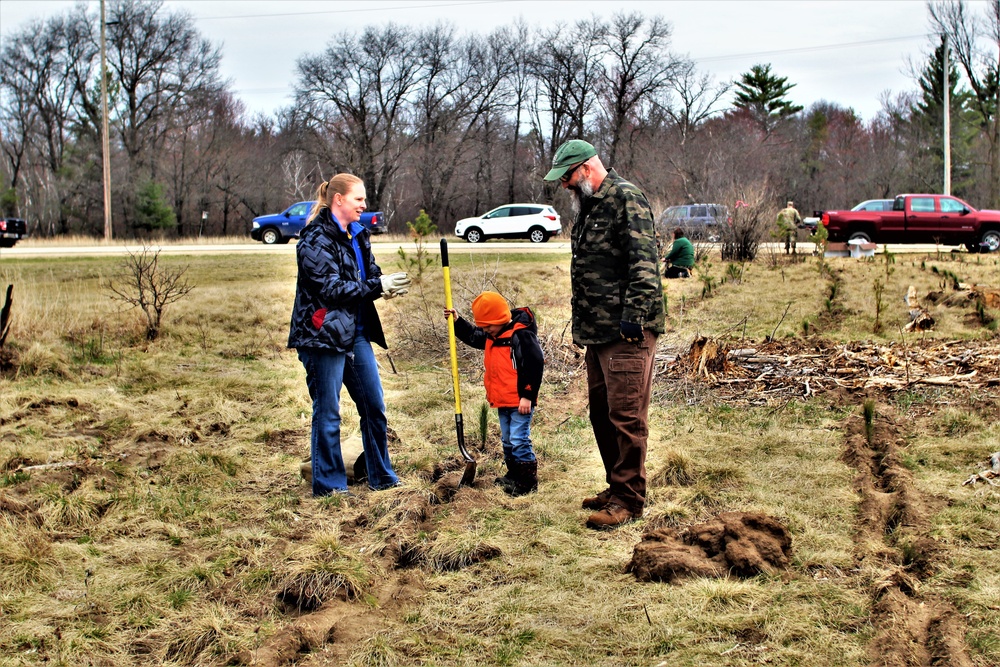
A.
pixel 182 533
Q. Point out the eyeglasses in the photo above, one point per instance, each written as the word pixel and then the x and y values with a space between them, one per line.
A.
pixel 569 174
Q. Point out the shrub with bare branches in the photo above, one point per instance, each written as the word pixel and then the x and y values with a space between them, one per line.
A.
pixel 143 283
pixel 418 324
pixel 752 211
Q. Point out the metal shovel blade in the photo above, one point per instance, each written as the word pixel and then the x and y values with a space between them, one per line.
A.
pixel 469 476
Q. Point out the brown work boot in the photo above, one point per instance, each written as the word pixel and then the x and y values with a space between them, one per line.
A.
pixel 597 502
pixel 612 516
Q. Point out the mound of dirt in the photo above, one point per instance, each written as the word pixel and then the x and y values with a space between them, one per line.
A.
pixel 20 510
pixel 739 543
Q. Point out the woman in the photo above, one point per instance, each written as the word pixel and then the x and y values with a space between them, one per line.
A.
pixel 334 323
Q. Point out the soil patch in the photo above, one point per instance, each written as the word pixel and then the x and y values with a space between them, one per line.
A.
pixel 23 511
pixel 338 628
pixel 338 624
pixel 913 632
pixel 911 629
pixel 734 543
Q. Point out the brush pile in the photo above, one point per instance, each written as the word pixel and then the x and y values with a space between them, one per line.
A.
pixel 796 368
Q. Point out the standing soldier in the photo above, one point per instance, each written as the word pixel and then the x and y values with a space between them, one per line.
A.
pixel 617 308
pixel 789 221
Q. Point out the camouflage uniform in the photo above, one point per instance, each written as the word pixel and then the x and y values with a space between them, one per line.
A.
pixel 788 222
pixel 615 274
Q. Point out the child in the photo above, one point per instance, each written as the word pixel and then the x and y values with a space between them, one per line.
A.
pixel 514 364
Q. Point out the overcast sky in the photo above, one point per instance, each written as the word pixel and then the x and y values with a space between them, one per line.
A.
pixel 846 51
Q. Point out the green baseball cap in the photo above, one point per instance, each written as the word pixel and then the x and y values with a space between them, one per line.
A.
pixel 570 154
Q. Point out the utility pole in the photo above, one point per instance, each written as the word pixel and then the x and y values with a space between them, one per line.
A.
pixel 947 117
pixel 105 142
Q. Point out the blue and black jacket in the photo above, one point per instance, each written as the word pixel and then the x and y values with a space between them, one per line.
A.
pixel 336 287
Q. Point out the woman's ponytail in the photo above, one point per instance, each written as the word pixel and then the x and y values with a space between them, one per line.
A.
pixel 321 202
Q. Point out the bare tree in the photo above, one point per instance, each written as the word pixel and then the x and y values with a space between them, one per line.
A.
pixel 638 67
pixel 142 283
pixel 671 145
pixel 357 92
pixel 517 42
pixel 691 98
pixel 566 69
pixel 39 66
pixel 162 69
pixel 457 101
pixel 297 181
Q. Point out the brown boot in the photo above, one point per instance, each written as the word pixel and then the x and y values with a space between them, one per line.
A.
pixel 612 516
pixel 597 502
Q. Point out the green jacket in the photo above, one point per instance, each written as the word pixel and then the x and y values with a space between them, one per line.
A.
pixel 615 269
pixel 681 253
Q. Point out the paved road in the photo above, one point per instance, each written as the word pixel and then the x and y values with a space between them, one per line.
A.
pixel 29 249
pixel 381 248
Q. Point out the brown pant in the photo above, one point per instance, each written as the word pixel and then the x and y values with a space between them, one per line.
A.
pixel 619 383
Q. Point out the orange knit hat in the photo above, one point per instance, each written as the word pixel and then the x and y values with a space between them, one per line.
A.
pixel 490 308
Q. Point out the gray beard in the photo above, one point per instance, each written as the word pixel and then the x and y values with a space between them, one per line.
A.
pixel 581 192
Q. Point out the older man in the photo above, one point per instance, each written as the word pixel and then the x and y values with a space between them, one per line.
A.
pixel 618 312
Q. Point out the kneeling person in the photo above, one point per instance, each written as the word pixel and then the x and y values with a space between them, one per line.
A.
pixel 680 259
pixel 514 364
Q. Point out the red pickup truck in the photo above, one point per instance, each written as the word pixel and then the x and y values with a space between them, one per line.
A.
pixel 919 219
pixel 12 230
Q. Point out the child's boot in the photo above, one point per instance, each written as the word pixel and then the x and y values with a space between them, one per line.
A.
pixel 509 481
pixel 525 478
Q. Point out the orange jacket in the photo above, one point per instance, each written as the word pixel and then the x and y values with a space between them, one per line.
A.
pixel 500 377
pixel 513 359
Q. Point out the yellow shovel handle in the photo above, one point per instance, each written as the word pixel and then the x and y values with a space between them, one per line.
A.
pixel 451 326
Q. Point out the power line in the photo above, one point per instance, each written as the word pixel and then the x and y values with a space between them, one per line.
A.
pixel 754 54
pixel 350 11
pixel 808 49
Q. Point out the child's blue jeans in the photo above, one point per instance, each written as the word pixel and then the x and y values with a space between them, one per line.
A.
pixel 515 434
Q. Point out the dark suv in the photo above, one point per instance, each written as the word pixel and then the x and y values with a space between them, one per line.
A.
pixel 12 230
pixel 699 221
pixel 285 226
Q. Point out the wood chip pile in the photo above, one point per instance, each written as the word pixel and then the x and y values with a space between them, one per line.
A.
pixel 789 368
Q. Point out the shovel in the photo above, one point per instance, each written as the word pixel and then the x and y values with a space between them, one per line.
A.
pixel 470 463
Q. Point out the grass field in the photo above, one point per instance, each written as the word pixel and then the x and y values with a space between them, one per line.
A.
pixel 152 511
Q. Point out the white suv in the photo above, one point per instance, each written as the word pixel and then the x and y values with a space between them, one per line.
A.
pixel 534 222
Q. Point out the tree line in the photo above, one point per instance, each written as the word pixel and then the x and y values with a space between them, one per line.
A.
pixel 456 123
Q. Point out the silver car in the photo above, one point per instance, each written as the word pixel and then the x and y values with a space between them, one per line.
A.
pixel 874 205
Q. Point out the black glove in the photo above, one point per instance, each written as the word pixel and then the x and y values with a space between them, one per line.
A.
pixel 632 333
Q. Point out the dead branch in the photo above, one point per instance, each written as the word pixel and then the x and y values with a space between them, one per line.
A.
pixel 785 367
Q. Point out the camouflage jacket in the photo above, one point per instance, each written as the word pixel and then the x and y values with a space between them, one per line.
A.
pixel 788 218
pixel 615 270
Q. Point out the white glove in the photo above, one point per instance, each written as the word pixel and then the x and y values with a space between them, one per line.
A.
pixel 395 284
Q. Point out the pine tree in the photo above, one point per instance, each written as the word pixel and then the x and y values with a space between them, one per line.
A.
pixel 151 209
pixel 762 94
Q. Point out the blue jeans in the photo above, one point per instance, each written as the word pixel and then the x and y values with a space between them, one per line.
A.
pixel 326 372
pixel 515 434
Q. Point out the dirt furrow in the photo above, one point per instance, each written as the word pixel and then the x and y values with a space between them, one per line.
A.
pixel 913 628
